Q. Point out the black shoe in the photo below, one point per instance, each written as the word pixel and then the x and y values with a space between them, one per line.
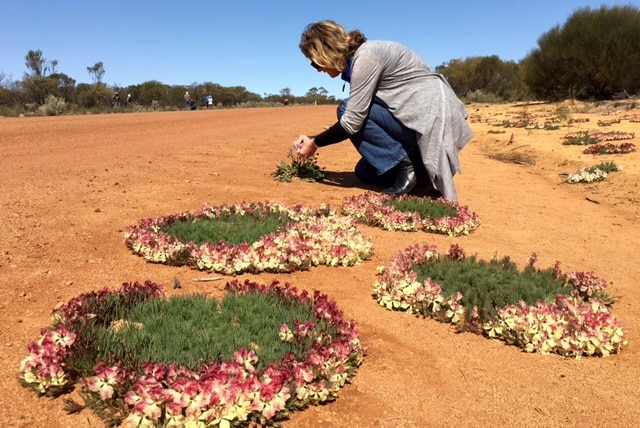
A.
pixel 405 179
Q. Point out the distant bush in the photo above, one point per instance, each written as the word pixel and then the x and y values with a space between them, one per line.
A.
pixel 594 55
pixel 480 96
pixel 485 79
pixel 53 106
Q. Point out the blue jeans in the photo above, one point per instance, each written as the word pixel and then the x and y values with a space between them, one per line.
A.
pixel 383 142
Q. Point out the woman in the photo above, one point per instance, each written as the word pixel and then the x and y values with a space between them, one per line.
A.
pixel 403 118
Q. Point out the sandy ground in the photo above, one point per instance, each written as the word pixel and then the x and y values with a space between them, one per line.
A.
pixel 71 185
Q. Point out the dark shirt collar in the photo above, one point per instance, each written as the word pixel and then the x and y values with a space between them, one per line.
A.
pixel 346 75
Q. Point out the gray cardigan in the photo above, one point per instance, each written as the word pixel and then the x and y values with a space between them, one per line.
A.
pixel 418 97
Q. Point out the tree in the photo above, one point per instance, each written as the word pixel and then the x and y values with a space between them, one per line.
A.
pixel 101 94
pixel 38 84
pixel 285 92
pixel 5 92
pixel 151 91
pixel 314 95
pixel 65 88
pixel 39 66
pixel 96 72
pixel 595 54
pixel 488 74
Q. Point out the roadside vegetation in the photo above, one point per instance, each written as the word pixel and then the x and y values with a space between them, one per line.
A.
pixel 593 56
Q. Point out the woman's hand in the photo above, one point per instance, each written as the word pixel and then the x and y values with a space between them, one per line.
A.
pixel 304 146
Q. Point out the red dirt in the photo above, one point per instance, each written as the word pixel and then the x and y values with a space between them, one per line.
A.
pixel 71 186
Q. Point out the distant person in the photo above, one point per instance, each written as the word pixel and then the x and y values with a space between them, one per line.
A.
pixel 402 117
pixel 209 102
pixel 286 101
pixel 129 99
pixel 116 100
pixel 187 100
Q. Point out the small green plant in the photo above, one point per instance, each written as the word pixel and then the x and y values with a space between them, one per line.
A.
pixel 305 168
pixel 607 167
pixel 232 228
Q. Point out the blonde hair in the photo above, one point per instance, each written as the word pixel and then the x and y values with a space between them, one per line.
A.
pixel 329 45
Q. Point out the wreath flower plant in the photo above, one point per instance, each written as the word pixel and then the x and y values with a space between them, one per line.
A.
pixel 586 175
pixel 305 168
pixel 592 174
pixel 574 325
pixel 219 393
pixel 609 148
pixel 311 238
pixel 376 209
pixel 592 137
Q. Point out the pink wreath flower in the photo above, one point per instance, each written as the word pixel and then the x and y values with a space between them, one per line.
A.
pixel 373 209
pixel 312 238
pixel 233 392
pixel 581 324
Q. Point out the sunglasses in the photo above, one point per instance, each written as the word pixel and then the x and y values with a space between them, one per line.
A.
pixel 314 65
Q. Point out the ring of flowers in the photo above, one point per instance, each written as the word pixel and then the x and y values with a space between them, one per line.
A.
pixel 370 209
pixel 577 325
pixel 218 394
pixel 312 238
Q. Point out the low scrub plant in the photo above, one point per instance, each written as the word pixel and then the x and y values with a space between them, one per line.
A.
pixel 53 106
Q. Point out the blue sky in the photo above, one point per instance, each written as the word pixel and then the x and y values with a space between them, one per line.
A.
pixel 254 43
